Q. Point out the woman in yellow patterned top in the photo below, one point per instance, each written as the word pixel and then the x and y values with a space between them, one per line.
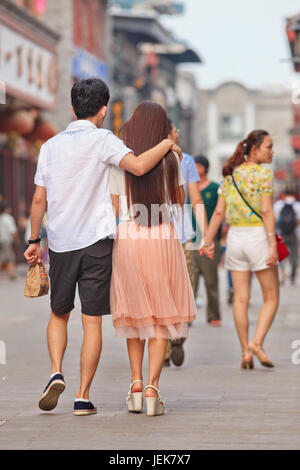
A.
pixel 251 243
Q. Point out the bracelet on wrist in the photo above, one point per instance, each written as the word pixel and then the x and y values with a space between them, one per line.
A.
pixel 32 242
pixel 271 234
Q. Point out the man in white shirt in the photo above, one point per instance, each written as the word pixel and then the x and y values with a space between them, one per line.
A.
pixel 72 181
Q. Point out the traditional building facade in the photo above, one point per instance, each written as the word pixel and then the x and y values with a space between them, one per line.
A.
pixel 145 58
pixel 83 49
pixel 293 35
pixel 28 82
pixel 45 47
pixel 230 111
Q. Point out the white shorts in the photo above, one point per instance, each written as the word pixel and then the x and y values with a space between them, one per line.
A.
pixel 247 249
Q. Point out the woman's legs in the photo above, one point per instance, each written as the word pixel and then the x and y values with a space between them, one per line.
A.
pixel 241 287
pixel 269 282
pixel 135 349
pixel 156 351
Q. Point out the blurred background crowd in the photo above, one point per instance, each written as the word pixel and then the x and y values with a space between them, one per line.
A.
pixel 47 45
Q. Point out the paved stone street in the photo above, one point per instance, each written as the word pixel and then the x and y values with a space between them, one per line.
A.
pixel 211 402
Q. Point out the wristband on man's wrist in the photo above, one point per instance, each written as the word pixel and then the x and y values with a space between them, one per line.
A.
pixel 32 242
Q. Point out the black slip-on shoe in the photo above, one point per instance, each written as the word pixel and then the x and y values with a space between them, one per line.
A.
pixel 84 408
pixel 50 395
pixel 177 353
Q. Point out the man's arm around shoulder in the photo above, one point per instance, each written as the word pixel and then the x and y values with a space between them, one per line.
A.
pixel 149 159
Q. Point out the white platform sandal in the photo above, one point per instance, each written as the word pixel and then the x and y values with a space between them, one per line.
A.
pixel 134 400
pixel 155 405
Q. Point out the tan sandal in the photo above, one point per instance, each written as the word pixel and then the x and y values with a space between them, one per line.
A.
pixel 247 360
pixel 261 355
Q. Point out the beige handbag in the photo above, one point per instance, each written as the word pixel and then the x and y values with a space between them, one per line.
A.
pixel 37 282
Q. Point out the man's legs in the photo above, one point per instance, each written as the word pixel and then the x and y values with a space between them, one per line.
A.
pixel 90 353
pixel 210 273
pixel 177 352
pixel 57 343
pixel 94 292
pixel 197 271
pixel 57 340
pixel 293 246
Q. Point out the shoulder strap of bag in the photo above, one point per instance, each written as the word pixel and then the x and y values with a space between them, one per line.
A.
pixel 246 202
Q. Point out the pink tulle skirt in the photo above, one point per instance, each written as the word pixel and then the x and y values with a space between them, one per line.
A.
pixel 151 293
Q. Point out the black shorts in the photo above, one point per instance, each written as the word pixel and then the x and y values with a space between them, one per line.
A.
pixel 91 268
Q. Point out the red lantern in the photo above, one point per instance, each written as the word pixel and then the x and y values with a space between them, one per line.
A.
pixel 291 34
pixel 296 168
pixel 21 122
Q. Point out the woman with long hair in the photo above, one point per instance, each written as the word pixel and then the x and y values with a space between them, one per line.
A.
pixel 245 196
pixel 151 294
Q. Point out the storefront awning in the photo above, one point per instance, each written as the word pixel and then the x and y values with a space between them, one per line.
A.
pixel 176 52
pixel 293 35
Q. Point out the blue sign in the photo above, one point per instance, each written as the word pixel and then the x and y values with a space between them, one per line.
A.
pixel 85 65
pixel 171 7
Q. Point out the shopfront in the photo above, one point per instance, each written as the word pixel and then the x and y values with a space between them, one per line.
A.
pixel 28 82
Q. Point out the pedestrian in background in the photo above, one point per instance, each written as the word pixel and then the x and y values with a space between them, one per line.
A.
pixel 8 236
pixel 287 213
pixel 184 226
pixel 251 241
pixel 151 294
pixel 204 266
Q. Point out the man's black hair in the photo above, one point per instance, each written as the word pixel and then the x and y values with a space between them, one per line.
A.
pixel 202 160
pixel 88 97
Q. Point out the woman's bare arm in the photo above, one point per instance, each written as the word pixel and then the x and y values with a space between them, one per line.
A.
pixel 216 220
pixel 197 203
pixel 267 214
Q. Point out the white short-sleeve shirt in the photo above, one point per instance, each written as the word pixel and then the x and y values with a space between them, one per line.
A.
pixel 118 187
pixel 74 167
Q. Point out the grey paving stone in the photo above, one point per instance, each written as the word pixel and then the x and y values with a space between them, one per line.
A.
pixel 211 402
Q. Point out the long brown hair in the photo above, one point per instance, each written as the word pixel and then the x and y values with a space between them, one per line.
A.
pixel 147 127
pixel 244 148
